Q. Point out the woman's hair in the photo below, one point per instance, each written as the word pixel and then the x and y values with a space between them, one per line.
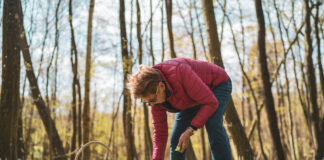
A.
pixel 144 82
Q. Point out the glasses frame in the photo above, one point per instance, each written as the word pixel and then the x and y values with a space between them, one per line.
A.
pixel 155 96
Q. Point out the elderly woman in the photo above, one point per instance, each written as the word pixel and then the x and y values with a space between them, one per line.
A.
pixel 197 92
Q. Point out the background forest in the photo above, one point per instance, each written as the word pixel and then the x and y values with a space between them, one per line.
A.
pixel 65 65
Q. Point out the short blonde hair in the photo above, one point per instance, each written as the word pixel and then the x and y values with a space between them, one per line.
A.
pixel 144 82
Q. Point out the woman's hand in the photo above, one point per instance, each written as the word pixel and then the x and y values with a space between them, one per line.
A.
pixel 184 140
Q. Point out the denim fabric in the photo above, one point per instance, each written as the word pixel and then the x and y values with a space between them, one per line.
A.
pixel 217 136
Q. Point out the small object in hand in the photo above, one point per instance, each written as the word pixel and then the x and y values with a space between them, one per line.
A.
pixel 178 148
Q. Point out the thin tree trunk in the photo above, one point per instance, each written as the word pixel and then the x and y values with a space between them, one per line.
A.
pixel 290 119
pixel 76 120
pixel 86 105
pixel 162 33
pixel 168 7
pixel 237 131
pixel 44 39
pixel 269 102
pixel 151 33
pixel 44 112
pixel 138 31
pixel 9 102
pixel 147 134
pixel 127 68
pixel 200 32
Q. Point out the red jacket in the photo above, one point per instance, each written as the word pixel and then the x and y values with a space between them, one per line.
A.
pixel 190 83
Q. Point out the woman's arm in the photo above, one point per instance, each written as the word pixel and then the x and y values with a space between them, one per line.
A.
pixel 160 132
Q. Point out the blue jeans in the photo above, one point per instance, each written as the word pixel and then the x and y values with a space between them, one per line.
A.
pixel 217 137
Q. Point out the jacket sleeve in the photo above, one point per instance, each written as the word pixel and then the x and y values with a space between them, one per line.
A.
pixel 160 132
pixel 197 90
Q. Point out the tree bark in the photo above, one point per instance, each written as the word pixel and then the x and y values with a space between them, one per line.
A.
pixel 269 102
pixel 168 7
pixel 86 105
pixel 138 32
pixel 151 33
pixel 318 39
pixel 318 125
pixel 162 33
pixel 9 103
pixel 127 67
pixel 236 129
pixel 200 32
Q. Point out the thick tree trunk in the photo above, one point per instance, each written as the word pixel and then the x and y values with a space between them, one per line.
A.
pixel 237 131
pixel 320 151
pixel 269 102
pixel 318 39
pixel 168 7
pixel 86 106
pixel 318 125
pixel 9 103
pixel 127 67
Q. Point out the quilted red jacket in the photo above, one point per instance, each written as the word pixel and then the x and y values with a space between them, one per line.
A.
pixel 190 83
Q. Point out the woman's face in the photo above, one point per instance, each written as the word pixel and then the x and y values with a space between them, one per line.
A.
pixel 157 97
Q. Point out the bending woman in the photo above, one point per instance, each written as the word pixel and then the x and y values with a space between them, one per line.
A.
pixel 197 92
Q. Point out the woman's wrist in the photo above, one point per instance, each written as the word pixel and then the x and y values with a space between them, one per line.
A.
pixel 191 130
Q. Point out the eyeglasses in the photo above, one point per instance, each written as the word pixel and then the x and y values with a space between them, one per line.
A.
pixel 155 97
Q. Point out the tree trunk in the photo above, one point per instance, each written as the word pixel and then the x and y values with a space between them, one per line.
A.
pixel 162 33
pixel 168 7
pixel 318 125
pixel 269 102
pixel 237 131
pixel 76 118
pixel 9 103
pixel 318 39
pixel 151 33
pixel 127 67
pixel 147 134
pixel 44 111
pixel 86 105
pixel 138 32
pixel 200 32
